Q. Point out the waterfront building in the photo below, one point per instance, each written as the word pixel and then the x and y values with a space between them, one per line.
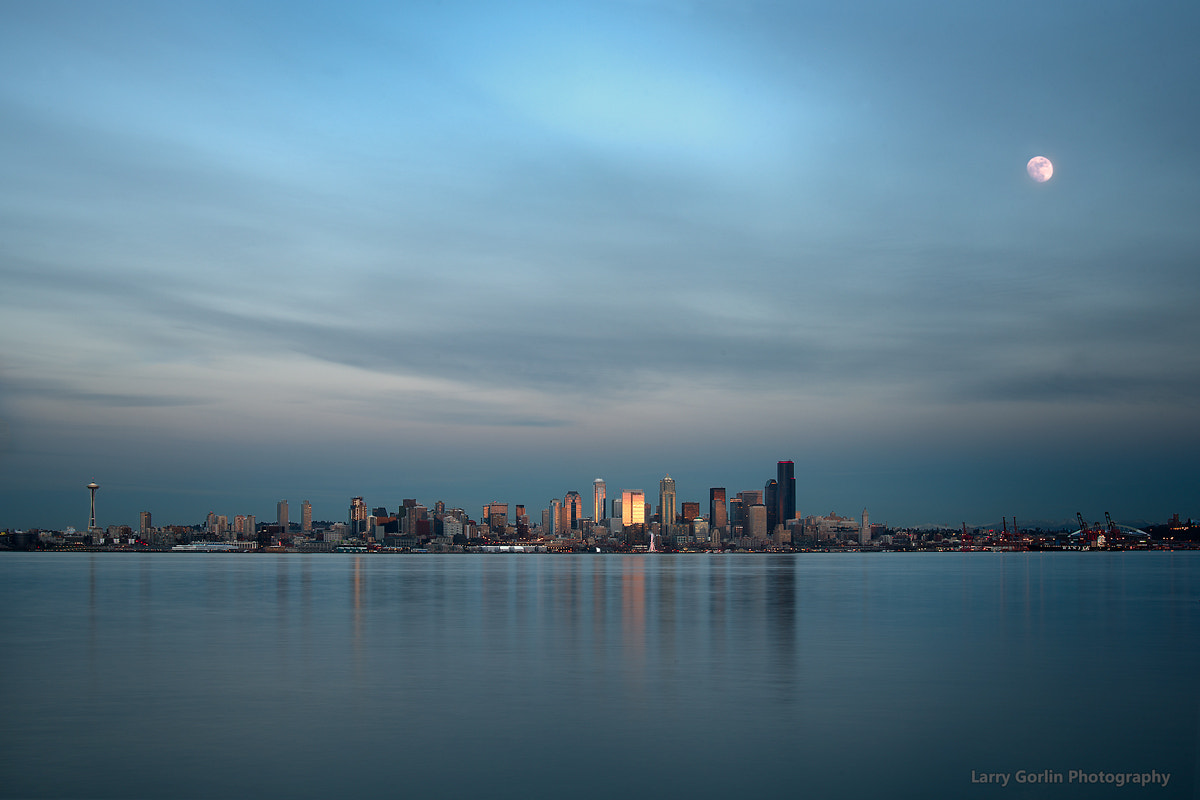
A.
pixel 555 517
pixel 281 515
pixel 144 524
pixel 306 517
pixel 666 501
pixel 864 532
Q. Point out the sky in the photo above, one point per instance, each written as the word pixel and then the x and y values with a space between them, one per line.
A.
pixel 470 251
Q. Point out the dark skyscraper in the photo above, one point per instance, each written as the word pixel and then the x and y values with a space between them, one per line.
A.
pixel 785 491
pixel 718 519
pixel 771 502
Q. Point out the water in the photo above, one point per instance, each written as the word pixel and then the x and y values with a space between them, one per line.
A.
pixel 598 676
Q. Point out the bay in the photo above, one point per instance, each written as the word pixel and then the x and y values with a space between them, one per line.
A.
pixel 530 676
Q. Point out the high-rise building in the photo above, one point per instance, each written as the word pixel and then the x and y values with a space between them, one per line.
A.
pixel 689 510
pixel 281 515
pixel 718 512
pixel 786 491
pixel 573 504
pixel 864 533
pixel 737 515
pixel 771 501
pixel 598 499
pixel 666 500
pixel 144 524
pixel 306 516
pixel 556 517
pixel 497 516
pixel 633 507
pixel 756 521
pixel 358 515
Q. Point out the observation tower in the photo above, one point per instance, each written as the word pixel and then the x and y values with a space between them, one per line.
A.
pixel 93 486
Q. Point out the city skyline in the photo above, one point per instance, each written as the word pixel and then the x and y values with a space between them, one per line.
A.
pixel 253 251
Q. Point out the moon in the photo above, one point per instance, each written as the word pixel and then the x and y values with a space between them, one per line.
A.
pixel 1040 168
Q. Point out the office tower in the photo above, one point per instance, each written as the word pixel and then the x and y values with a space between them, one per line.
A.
pixel 598 499
pixel 281 515
pixel 251 527
pixel 573 505
pixel 786 491
pixel 306 516
pixel 633 507
pixel 616 509
pixel 690 510
pixel 358 515
pixel 737 515
pixel 92 487
pixel 750 497
pixel 756 521
pixel 864 533
pixel 555 517
pixel 439 508
pixel 718 512
pixel 144 524
pixel 497 516
pixel 771 501
pixel 666 501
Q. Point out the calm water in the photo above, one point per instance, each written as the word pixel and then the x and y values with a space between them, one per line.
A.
pixel 531 676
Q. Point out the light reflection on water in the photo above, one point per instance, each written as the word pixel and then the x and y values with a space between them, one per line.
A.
pixel 536 676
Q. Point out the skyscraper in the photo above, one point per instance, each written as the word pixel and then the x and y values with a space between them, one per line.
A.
pixel 864 533
pixel 144 523
pixel 306 516
pixel 574 509
pixel 598 499
pixel 358 516
pixel 556 517
pixel 281 515
pixel 786 491
pixel 633 507
pixel 666 500
pixel 718 511
pixel 771 501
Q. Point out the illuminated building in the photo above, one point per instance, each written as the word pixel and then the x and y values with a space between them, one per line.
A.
pixel 306 516
pixel 633 508
pixel 598 499
pixel 573 506
pixel 358 515
pixel 281 515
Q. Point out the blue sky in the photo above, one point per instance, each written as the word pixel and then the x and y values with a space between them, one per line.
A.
pixel 474 251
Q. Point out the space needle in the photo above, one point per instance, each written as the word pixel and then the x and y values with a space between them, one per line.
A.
pixel 93 486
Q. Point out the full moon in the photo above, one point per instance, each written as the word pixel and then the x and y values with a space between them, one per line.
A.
pixel 1040 168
